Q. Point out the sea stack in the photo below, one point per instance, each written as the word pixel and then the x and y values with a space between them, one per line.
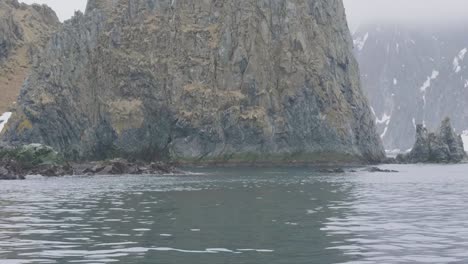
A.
pixel 200 81
pixel 442 146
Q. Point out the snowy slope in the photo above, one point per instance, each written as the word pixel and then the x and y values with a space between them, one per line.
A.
pixel 413 75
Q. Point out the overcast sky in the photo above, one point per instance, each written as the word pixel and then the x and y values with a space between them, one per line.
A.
pixel 64 8
pixel 359 11
pixel 428 12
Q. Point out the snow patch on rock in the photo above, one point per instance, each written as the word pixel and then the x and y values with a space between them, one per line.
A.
pixel 456 61
pixel 427 83
pixel 384 132
pixel 465 139
pixel 373 111
pixel 361 42
pixel 4 119
pixel 384 120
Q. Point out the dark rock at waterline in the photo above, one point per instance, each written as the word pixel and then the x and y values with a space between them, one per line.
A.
pixel 377 169
pixel 442 146
pixel 122 166
pixel 13 170
pixel 10 170
pixel 332 170
pixel 36 159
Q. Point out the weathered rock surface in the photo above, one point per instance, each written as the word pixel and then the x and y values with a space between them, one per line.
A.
pixel 443 146
pixel 24 30
pixel 230 81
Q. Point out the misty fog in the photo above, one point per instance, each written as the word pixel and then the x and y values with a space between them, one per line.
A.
pixel 429 12
pixel 426 12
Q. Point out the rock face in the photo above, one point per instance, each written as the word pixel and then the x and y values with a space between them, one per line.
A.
pixel 420 77
pixel 24 30
pixel 443 146
pixel 247 80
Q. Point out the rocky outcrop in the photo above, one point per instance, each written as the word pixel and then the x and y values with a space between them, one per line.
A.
pixel 443 146
pixel 421 77
pixel 199 81
pixel 24 30
pixel 35 159
pixel 15 170
pixel 32 155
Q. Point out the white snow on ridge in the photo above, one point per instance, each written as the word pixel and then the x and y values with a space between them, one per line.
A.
pixel 384 133
pixel 373 111
pixel 384 120
pixel 427 83
pixel 460 57
pixel 361 42
pixel 4 119
pixel 466 83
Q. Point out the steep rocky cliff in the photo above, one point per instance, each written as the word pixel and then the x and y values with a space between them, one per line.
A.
pixel 414 74
pixel 24 30
pixel 247 80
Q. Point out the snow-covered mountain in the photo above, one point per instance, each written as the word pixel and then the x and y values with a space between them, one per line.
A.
pixel 413 75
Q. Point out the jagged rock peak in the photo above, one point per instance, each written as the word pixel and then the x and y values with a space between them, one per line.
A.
pixel 24 30
pixel 246 80
pixel 442 146
pixel 47 14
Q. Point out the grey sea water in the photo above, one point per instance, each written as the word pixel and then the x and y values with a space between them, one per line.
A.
pixel 241 216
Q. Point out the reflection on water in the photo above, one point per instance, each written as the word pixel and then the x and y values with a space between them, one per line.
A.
pixel 417 216
pixel 239 216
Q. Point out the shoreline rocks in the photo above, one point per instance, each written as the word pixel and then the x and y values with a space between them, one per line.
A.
pixel 442 146
pixel 35 159
pixel 13 170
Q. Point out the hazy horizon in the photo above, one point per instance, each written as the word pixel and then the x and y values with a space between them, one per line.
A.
pixel 428 12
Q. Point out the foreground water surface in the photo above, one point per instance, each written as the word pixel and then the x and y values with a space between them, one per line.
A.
pixel 241 216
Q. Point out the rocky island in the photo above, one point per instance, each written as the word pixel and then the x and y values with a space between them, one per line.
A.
pixel 442 146
pixel 247 81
